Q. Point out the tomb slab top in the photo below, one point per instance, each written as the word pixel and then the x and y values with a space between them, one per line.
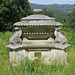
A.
pixel 55 46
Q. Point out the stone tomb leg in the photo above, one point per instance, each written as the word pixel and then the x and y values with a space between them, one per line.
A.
pixel 17 55
pixel 58 55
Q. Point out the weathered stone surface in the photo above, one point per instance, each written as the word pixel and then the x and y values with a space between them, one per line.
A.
pixel 16 56
pixel 59 37
pixel 37 23
pixel 37 11
pixel 48 45
pixel 58 55
pixel 37 20
pixel 46 56
pixel 61 46
pixel 37 17
pixel 14 47
pixel 37 43
pixel 15 39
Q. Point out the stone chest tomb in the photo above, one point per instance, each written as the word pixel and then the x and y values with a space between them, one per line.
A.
pixel 38 36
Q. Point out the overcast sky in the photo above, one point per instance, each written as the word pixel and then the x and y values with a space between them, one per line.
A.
pixel 52 1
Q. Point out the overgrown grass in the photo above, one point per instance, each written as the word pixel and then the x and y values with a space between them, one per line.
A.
pixel 31 68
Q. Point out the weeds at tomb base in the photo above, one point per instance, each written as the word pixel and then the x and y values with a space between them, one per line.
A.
pixel 31 68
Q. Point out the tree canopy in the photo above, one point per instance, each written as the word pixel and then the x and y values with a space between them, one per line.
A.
pixel 73 19
pixel 49 12
pixel 11 11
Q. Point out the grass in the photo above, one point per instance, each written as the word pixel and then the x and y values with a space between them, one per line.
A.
pixel 31 68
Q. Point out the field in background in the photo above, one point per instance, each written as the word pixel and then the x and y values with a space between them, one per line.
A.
pixel 31 68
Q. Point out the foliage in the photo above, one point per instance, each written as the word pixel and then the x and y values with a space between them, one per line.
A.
pixel 63 17
pixel 56 7
pixel 65 27
pixel 62 13
pixel 73 19
pixel 49 12
pixel 32 68
pixel 11 11
pixel 9 8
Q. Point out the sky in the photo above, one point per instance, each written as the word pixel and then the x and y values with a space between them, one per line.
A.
pixel 52 1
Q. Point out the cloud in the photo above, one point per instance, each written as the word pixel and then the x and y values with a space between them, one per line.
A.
pixel 52 1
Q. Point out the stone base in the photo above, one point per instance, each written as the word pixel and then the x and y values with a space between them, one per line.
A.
pixel 46 56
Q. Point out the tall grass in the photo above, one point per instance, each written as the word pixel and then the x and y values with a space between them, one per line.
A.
pixel 30 67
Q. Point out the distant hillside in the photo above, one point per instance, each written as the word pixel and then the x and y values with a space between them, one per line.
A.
pixel 55 7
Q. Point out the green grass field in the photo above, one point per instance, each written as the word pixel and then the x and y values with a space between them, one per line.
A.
pixel 31 68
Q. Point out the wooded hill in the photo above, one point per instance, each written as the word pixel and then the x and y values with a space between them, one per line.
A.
pixel 55 7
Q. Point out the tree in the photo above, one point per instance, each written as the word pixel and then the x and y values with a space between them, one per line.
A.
pixel 49 12
pixel 11 11
pixel 73 19
pixel 23 7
